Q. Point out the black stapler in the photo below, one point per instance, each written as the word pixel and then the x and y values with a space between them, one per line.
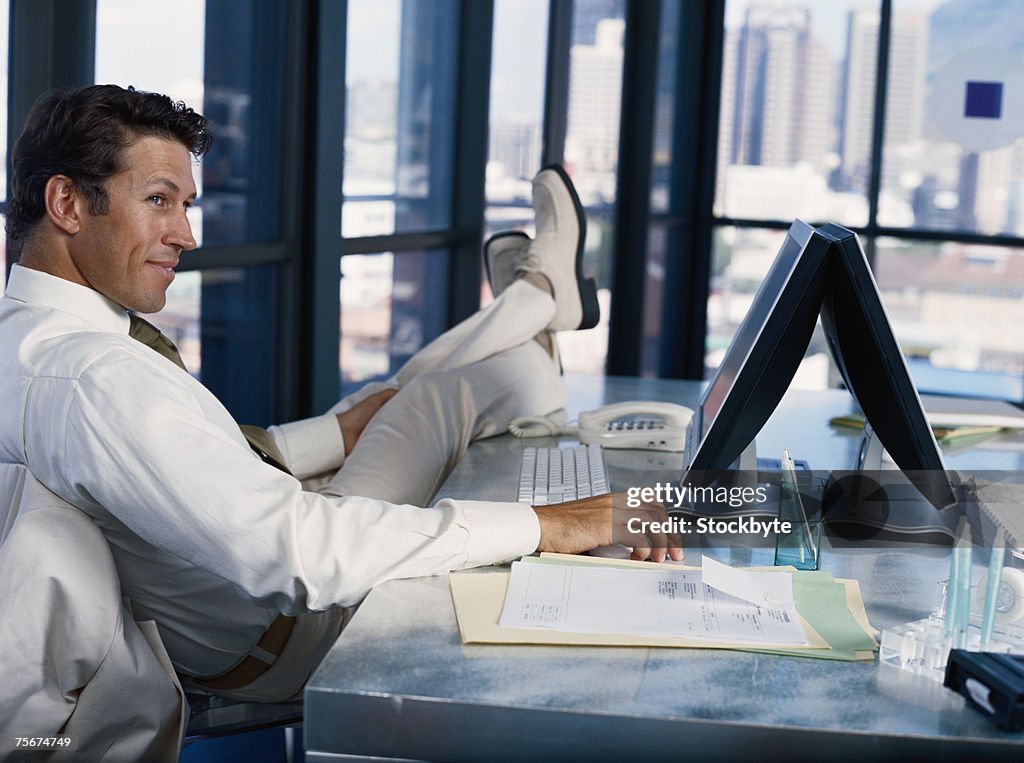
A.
pixel 992 683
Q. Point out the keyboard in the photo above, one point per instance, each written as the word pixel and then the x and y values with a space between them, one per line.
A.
pixel 554 475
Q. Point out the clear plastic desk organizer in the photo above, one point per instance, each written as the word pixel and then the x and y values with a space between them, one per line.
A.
pixel 922 647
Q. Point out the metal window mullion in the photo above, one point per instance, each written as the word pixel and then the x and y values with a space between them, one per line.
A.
pixel 556 82
pixel 404 242
pixel 323 200
pixel 295 353
pixel 234 256
pixel 476 26
pixel 694 156
pixel 633 186
pixel 878 126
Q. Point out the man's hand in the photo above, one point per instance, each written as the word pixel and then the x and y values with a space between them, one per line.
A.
pixel 577 526
pixel 354 420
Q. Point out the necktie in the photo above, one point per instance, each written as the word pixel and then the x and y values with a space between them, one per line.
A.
pixel 145 332
pixel 259 439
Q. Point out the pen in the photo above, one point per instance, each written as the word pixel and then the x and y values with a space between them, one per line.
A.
pixel 995 577
pixel 952 594
pixel 962 552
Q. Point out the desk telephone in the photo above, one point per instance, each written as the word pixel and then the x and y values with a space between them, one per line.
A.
pixel 636 424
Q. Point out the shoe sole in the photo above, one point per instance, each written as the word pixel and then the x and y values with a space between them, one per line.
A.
pixel 487 249
pixel 591 309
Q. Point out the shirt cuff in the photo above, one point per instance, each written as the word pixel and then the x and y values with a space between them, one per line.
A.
pixel 497 531
pixel 311 446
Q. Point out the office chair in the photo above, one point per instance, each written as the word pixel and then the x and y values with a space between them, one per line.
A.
pixel 75 663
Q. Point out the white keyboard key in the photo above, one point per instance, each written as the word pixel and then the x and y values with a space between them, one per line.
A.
pixel 556 475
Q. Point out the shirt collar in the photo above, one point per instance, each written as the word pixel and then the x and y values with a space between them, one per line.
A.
pixel 28 285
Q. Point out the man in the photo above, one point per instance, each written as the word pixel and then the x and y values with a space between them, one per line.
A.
pixel 246 573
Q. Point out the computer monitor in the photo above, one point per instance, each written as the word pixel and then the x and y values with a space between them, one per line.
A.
pixel 819 270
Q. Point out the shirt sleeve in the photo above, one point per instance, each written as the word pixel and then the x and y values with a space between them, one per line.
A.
pixel 311 446
pixel 166 460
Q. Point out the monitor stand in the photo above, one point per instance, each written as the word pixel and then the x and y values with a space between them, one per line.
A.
pixel 871 451
pixel 747 461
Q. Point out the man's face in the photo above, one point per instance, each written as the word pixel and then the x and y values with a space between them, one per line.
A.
pixel 129 254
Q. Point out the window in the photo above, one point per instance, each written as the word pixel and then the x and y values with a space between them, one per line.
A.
pixel 384 309
pixel 956 314
pixel 927 182
pixel 591 158
pixel 516 114
pixel 399 163
pixel 225 59
pixel 400 85
pixel 786 146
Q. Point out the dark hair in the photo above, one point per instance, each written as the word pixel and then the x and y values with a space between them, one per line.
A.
pixel 82 133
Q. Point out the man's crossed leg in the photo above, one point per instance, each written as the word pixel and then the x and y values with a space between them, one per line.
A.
pixel 498 364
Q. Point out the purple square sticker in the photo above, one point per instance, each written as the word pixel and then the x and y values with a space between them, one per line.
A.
pixel 984 100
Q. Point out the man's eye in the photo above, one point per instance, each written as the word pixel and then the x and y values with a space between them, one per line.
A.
pixel 157 199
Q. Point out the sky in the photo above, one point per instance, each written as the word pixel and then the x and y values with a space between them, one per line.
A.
pixel 153 45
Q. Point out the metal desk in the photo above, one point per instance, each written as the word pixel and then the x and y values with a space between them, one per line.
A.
pixel 399 684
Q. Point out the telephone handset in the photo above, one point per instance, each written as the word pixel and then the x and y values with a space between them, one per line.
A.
pixel 638 424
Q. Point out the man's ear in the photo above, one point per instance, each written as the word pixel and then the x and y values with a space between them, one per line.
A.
pixel 63 203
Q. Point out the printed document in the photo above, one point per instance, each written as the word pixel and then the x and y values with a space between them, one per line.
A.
pixel 660 602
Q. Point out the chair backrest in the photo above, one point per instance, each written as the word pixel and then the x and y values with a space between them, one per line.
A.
pixel 73 660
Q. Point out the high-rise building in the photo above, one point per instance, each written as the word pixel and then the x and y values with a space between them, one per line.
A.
pixel 516 146
pixel 588 14
pixel 906 79
pixel 726 115
pixel 592 137
pixel 778 78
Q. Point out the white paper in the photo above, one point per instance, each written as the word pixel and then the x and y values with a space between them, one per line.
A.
pixel 662 602
pixel 755 586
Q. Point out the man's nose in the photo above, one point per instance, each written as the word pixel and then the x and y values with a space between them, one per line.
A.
pixel 180 234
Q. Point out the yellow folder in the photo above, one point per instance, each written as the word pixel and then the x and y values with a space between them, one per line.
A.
pixel 833 612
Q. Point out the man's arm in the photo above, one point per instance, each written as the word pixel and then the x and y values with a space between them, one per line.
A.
pixel 568 528
pixel 170 465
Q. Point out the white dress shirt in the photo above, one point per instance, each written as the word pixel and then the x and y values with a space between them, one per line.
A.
pixel 208 540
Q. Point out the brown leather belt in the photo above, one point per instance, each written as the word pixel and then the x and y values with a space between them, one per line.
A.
pixel 259 659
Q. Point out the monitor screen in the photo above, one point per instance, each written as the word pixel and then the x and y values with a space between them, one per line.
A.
pixel 819 270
